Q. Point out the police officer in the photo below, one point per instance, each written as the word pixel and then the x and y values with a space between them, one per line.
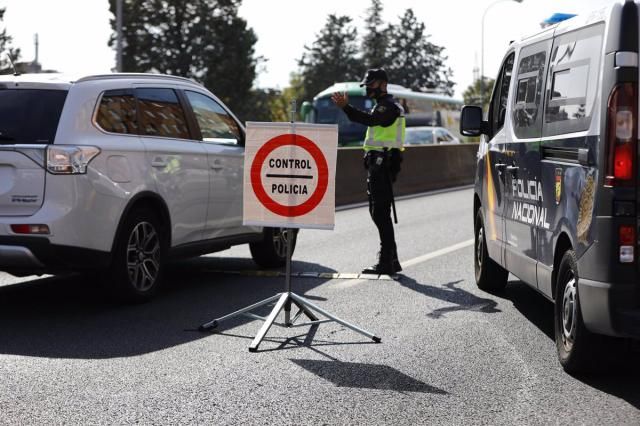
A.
pixel 383 145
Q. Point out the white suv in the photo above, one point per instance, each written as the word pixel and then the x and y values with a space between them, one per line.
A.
pixel 120 173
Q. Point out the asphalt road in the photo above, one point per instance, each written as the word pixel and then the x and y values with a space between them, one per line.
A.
pixel 450 353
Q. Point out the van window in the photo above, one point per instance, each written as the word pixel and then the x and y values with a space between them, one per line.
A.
pixel 527 107
pixel 498 106
pixel 573 80
pixel 117 112
pixel 21 109
pixel 161 114
pixel 216 125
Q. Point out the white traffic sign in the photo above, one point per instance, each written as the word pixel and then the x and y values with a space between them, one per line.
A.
pixel 289 175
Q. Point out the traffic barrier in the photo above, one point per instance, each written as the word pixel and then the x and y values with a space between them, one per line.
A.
pixel 424 168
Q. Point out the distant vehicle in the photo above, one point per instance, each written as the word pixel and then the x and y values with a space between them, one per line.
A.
pixel 421 109
pixel 120 173
pixel 557 185
pixel 428 135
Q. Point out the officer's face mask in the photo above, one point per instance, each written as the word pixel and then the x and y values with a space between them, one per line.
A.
pixel 374 92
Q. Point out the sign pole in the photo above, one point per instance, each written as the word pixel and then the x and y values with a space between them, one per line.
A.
pixel 284 300
pixel 289 238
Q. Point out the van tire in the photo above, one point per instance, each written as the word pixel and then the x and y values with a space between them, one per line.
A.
pixel 490 276
pixel 578 348
pixel 139 257
pixel 271 251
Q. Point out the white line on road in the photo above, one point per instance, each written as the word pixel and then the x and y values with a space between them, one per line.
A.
pixel 411 262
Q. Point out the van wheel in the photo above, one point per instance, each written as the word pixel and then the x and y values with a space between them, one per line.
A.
pixel 138 258
pixel 271 252
pixel 490 276
pixel 576 346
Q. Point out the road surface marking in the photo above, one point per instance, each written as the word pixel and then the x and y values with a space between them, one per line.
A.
pixel 414 261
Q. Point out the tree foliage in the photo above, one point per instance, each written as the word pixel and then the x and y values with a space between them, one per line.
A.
pixel 414 61
pixel 376 38
pixel 332 57
pixel 5 46
pixel 471 96
pixel 204 40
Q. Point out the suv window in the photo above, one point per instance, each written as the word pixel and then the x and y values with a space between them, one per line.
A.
pixel 117 112
pixel 498 106
pixel 527 108
pixel 21 108
pixel 216 125
pixel 161 114
pixel 573 77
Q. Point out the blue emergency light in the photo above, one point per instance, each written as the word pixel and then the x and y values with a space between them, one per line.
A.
pixel 555 18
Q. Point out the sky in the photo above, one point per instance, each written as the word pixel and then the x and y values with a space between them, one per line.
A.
pixel 73 34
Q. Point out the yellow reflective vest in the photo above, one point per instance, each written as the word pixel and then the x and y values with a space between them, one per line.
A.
pixel 378 137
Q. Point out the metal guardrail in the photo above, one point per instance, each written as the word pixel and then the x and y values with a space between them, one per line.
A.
pixel 424 168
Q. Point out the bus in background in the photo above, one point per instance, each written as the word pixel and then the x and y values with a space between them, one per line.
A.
pixel 421 109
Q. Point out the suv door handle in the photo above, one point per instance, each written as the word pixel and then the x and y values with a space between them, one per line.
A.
pixel 499 166
pixel 217 165
pixel 159 162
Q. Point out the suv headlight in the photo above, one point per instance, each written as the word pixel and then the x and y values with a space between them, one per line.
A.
pixel 69 159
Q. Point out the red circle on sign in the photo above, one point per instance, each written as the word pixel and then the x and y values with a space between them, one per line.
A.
pixel 256 177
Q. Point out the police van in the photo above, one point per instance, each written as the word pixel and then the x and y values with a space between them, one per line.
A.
pixel 557 187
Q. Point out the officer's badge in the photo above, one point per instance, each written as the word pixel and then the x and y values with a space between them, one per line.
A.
pixel 558 185
pixel 381 108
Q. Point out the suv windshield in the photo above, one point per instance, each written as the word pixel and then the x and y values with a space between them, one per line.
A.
pixel 30 116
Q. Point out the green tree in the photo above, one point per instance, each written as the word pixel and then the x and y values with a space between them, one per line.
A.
pixel 415 62
pixel 471 96
pixel 376 38
pixel 204 40
pixel 5 46
pixel 332 57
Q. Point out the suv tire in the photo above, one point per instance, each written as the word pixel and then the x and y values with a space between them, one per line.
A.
pixel 577 348
pixel 139 257
pixel 271 252
pixel 490 276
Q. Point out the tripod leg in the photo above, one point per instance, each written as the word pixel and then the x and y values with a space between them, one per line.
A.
pixel 306 311
pixel 303 301
pixel 213 324
pixel 269 321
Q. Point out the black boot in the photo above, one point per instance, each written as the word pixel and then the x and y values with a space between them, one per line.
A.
pixel 383 266
pixel 396 265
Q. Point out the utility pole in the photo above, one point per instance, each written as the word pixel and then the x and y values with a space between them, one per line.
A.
pixel 37 44
pixel 119 35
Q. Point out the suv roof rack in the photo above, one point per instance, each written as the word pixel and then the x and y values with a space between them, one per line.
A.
pixel 135 75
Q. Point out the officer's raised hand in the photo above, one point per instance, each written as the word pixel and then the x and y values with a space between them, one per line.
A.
pixel 340 99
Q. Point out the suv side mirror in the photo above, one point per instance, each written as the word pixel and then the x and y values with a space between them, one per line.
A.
pixel 471 123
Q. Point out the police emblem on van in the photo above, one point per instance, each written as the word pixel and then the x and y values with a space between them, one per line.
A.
pixel 558 185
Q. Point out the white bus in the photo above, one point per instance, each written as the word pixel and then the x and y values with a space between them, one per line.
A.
pixel 421 109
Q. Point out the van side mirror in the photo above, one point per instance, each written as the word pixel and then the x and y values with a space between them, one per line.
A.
pixel 471 123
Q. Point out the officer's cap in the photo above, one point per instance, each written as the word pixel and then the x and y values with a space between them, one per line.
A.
pixel 372 75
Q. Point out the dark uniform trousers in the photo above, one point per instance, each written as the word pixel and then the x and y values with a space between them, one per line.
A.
pixel 379 179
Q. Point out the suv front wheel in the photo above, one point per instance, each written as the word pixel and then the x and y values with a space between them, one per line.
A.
pixel 271 251
pixel 138 258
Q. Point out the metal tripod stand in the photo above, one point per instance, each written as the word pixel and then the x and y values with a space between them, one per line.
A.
pixel 284 300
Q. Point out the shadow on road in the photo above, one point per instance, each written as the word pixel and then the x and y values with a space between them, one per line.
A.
pixel 620 378
pixel 450 293
pixel 70 317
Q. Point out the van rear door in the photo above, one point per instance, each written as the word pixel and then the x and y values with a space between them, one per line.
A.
pixel 28 123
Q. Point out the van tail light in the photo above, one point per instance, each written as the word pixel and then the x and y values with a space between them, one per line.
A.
pixel 30 229
pixel 627 243
pixel 622 128
pixel 70 159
